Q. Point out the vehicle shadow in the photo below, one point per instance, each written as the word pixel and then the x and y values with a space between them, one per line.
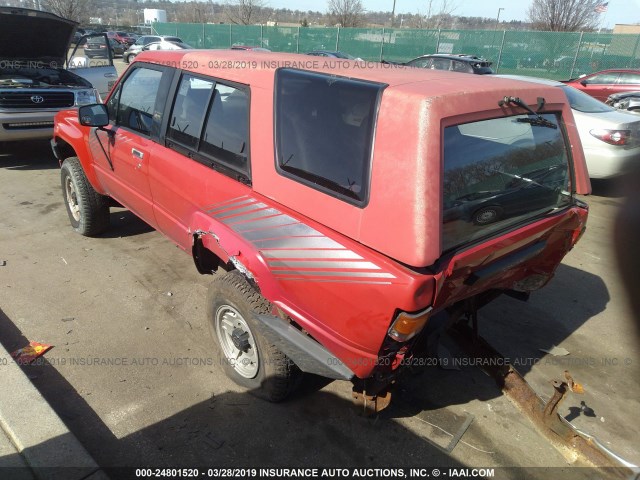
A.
pixel 610 187
pixel 27 155
pixel 234 430
pixel 124 223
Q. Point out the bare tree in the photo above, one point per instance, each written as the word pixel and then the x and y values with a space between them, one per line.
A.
pixel 564 15
pixel 244 12
pixel 346 13
pixel 76 10
pixel 439 14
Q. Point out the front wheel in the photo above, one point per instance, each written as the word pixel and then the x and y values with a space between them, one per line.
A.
pixel 245 355
pixel 88 210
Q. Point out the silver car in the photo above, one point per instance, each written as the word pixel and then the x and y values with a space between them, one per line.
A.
pixel 610 137
pixel 144 40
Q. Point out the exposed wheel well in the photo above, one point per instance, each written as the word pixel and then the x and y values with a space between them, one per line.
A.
pixel 205 260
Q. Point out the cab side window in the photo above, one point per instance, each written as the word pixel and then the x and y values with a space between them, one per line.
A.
pixel 137 100
pixel 226 133
pixel 209 122
pixel 189 108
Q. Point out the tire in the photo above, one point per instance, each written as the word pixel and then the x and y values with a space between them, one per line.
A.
pixel 88 210
pixel 486 215
pixel 125 58
pixel 262 369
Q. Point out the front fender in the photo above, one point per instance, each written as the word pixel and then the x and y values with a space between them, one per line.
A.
pixel 67 130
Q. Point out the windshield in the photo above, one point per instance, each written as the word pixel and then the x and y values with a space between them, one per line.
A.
pixel 584 103
pixel 501 172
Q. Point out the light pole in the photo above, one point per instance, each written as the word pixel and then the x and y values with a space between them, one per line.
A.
pixel 393 13
pixel 496 29
pixel 498 17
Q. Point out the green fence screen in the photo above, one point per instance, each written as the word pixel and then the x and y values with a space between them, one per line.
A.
pixel 555 55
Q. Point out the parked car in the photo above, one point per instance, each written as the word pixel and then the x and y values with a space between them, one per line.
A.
pixel 625 101
pixel 166 45
pixel 607 82
pixel 97 48
pixel 143 40
pixel 121 37
pixel 322 207
pixel 455 63
pixel 610 138
pixel 332 54
pixel 34 83
pixel 514 195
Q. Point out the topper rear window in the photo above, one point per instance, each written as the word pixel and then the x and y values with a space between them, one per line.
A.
pixel 501 172
pixel 324 131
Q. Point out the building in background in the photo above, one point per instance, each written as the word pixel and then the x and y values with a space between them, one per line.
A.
pixel 153 15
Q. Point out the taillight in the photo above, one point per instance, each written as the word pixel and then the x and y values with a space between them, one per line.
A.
pixel 408 325
pixel 612 137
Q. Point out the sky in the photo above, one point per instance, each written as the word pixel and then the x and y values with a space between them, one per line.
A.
pixel 619 11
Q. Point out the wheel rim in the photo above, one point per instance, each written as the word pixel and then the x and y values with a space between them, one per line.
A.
pixel 237 341
pixel 486 216
pixel 72 199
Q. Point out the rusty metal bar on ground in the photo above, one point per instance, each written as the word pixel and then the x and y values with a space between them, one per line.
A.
pixel 575 445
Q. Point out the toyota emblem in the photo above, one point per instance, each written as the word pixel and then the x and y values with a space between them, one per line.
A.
pixel 37 99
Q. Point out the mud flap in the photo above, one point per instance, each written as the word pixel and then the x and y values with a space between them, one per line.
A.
pixel 306 353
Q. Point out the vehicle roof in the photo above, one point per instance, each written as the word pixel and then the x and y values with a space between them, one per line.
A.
pixel 634 70
pixel 458 56
pixel 524 78
pixel 258 69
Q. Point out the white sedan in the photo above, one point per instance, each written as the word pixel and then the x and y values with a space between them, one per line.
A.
pixel 610 137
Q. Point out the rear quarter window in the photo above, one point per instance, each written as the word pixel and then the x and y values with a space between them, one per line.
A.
pixel 324 131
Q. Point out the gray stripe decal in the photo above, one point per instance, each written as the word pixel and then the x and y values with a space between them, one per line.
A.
pixel 287 243
pixel 238 201
pixel 235 211
pixel 271 222
pixel 298 264
pixel 298 230
pixel 253 216
pixel 323 280
pixel 308 254
pixel 298 242
pixel 333 274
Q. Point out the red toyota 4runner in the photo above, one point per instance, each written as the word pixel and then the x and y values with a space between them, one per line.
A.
pixel 349 205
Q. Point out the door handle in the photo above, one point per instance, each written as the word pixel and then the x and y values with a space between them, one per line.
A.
pixel 137 153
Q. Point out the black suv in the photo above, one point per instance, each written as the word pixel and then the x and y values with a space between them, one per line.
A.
pixel 453 62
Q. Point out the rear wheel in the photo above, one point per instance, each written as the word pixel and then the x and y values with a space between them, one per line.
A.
pixel 88 210
pixel 245 355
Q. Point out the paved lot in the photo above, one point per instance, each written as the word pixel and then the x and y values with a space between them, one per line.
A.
pixel 132 376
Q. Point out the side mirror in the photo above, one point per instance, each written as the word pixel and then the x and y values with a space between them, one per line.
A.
pixel 93 115
pixel 584 83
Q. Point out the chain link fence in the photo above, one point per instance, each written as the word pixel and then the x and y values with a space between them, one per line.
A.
pixel 554 55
